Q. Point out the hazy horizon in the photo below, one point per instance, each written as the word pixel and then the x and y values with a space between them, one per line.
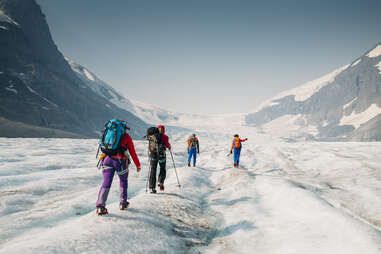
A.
pixel 211 57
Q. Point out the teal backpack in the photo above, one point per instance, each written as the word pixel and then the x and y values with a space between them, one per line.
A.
pixel 112 137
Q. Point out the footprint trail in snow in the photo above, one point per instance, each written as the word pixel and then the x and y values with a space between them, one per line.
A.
pixel 285 198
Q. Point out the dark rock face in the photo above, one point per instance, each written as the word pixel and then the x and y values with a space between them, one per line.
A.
pixel 352 91
pixel 37 85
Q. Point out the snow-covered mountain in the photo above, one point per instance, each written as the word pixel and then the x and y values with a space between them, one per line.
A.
pixel 149 113
pixel 40 95
pixel 342 105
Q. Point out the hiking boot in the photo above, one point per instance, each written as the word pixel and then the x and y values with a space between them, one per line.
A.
pixel 235 165
pixel 152 190
pixel 101 210
pixel 161 186
pixel 124 206
pixel 188 164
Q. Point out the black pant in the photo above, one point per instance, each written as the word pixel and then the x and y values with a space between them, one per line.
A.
pixel 157 158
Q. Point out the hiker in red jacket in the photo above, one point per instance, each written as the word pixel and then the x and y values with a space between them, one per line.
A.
pixel 159 157
pixel 117 163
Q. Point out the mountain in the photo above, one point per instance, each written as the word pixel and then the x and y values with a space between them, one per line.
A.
pixel 176 121
pixel 343 105
pixel 148 113
pixel 39 89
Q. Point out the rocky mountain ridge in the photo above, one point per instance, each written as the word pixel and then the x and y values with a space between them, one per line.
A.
pixel 39 88
pixel 343 105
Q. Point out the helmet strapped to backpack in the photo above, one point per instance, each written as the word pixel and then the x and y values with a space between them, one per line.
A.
pixel 112 137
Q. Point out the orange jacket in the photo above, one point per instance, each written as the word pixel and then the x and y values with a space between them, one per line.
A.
pixel 189 144
pixel 197 144
pixel 237 140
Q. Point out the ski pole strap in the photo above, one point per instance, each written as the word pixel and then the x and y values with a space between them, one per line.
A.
pixel 103 168
pixel 122 172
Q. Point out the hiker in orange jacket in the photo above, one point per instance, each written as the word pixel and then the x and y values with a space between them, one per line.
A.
pixel 236 145
pixel 193 149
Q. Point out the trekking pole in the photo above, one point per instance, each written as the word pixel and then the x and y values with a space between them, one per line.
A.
pixel 174 166
pixel 96 157
pixel 149 172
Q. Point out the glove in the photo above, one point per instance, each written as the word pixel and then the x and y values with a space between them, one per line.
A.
pixel 231 151
pixel 138 169
pixel 198 152
pixel 246 138
pixel 102 156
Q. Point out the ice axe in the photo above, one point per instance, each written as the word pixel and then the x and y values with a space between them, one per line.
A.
pixel 174 166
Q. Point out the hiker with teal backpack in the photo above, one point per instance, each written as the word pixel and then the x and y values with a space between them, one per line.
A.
pixel 116 145
pixel 237 146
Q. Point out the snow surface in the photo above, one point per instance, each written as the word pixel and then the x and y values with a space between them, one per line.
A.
pixel 356 63
pixel 379 66
pixel 375 52
pixel 304 91
pixel 305 197
pixel 290 126
pixel 6 18
pixel 88 75
pixel 349 103
pixel 42 97
pixel 156 115
pixel 11 89
pixel 356 119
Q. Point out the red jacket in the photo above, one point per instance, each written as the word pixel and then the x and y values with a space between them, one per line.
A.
pixel 164 137
pixel 127 142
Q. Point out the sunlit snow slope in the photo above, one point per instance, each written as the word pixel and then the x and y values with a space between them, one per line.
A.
pixel 344 105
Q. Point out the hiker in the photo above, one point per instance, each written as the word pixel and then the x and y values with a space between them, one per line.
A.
pixel 236 145
pixel 115 159
pixel 193 149
pixel 159 141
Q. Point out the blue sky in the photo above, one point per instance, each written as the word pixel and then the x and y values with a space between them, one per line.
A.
pixel 207 56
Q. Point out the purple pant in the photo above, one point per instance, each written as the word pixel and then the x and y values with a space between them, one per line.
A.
pixel 109 166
